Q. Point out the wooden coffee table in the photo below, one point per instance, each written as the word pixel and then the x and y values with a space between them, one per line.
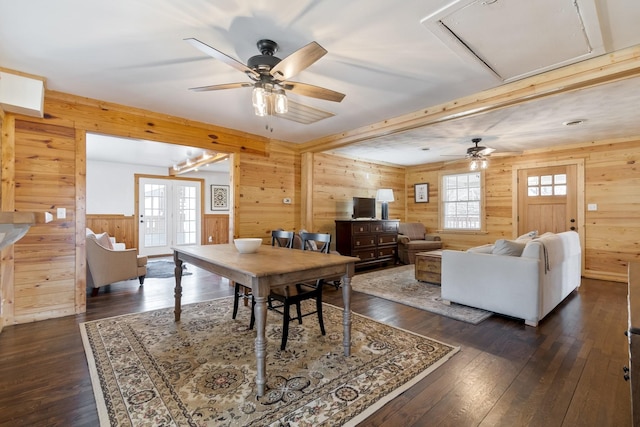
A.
pixel 429 266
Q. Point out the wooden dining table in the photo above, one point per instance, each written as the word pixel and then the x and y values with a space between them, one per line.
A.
pixel 267 268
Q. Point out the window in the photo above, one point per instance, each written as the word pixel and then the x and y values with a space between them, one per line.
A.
pixel 547 185
pixel 462 201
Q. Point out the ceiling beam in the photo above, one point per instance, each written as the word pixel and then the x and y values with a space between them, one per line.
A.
pixel 603 69
pixel 195 163
pixel 107 118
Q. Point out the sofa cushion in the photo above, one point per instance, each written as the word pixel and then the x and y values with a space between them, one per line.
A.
pixel 104 240
pixel 508 247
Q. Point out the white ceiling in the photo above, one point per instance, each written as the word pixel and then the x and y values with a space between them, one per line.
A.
pixel 389 58
pixel 107 148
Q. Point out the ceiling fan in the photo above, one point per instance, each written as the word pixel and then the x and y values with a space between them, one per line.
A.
pixel 477 155
pixel 478 152
pixel 270 75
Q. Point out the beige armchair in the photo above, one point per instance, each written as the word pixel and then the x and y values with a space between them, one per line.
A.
pixel 106 266
pixel 413 238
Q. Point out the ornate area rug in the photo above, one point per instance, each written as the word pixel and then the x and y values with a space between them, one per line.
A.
pixel 399 284
pixel 162 269
pixel 147 369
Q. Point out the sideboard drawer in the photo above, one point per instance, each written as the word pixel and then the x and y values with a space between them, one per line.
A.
pixel 365 254
pixel 384 239
pixel 386 251
pixel 363 241
pixel 391 227
pixel 361 227
pixel 377 227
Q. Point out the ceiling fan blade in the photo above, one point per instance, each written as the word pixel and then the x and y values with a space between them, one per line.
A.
pixel 313 91
pixel 486 151
pixel 304 114
pixel 221 56
pixel 298 61
pixel 506 153
pixel 221 87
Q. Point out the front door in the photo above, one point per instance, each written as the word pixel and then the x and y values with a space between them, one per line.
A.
pixel 169 214
pixel 547 199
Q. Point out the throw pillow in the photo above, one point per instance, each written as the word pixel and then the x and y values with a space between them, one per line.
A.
pixel 528 236
pixel 104 240
pixel 508 247
pixel 484 249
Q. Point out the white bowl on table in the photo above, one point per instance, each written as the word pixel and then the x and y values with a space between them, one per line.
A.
pixel 247 245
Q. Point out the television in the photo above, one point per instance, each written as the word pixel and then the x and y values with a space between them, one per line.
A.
pixel 364 207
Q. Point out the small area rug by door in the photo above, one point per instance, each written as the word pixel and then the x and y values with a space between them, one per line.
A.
pixel 146 369
pixel 399 284
pixel 162 269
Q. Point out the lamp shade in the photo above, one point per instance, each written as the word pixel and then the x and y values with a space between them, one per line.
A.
pixel 385 195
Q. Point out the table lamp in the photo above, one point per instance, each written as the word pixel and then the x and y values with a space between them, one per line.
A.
pixel 385 195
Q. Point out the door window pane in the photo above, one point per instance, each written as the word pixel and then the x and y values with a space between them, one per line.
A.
pixel 186 224
pixel 154 216
pixel 560 190
pixel 547 185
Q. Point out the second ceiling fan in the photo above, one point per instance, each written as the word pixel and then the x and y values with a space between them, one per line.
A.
pixel 270 75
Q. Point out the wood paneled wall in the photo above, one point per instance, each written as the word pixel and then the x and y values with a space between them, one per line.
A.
pixel 46 179
pixel 216 226
pixel 43 168
pixel 122 227
pixel 264 183
pixel 611 233
pixel 336 180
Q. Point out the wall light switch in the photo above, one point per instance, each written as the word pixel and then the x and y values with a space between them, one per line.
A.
pixel 286 201
pixel 62 213
pixel 592 207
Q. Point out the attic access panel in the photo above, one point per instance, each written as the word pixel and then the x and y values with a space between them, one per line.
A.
pixel 513 39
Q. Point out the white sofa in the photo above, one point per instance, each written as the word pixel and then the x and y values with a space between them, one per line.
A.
pixel 528 286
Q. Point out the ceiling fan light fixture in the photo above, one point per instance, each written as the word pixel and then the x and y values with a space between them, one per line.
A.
pixel 260 111
pixel 478 163
pixel 259 97
pixel 281 106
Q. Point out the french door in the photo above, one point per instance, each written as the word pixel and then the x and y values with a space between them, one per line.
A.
pixel 169 214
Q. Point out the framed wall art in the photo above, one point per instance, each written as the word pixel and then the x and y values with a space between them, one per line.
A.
pixel 421 192
pixel 219 197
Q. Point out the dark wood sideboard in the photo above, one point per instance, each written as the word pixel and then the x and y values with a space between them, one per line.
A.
pixel 374 241
pixel 632 373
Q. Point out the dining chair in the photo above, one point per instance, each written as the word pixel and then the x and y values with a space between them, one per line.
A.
pixel 282 238
pixel 294 294
pixel 279 238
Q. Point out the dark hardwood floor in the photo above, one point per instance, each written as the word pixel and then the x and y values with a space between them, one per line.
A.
pixel 566 372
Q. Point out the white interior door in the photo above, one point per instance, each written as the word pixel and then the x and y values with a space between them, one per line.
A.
pixel 169 214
